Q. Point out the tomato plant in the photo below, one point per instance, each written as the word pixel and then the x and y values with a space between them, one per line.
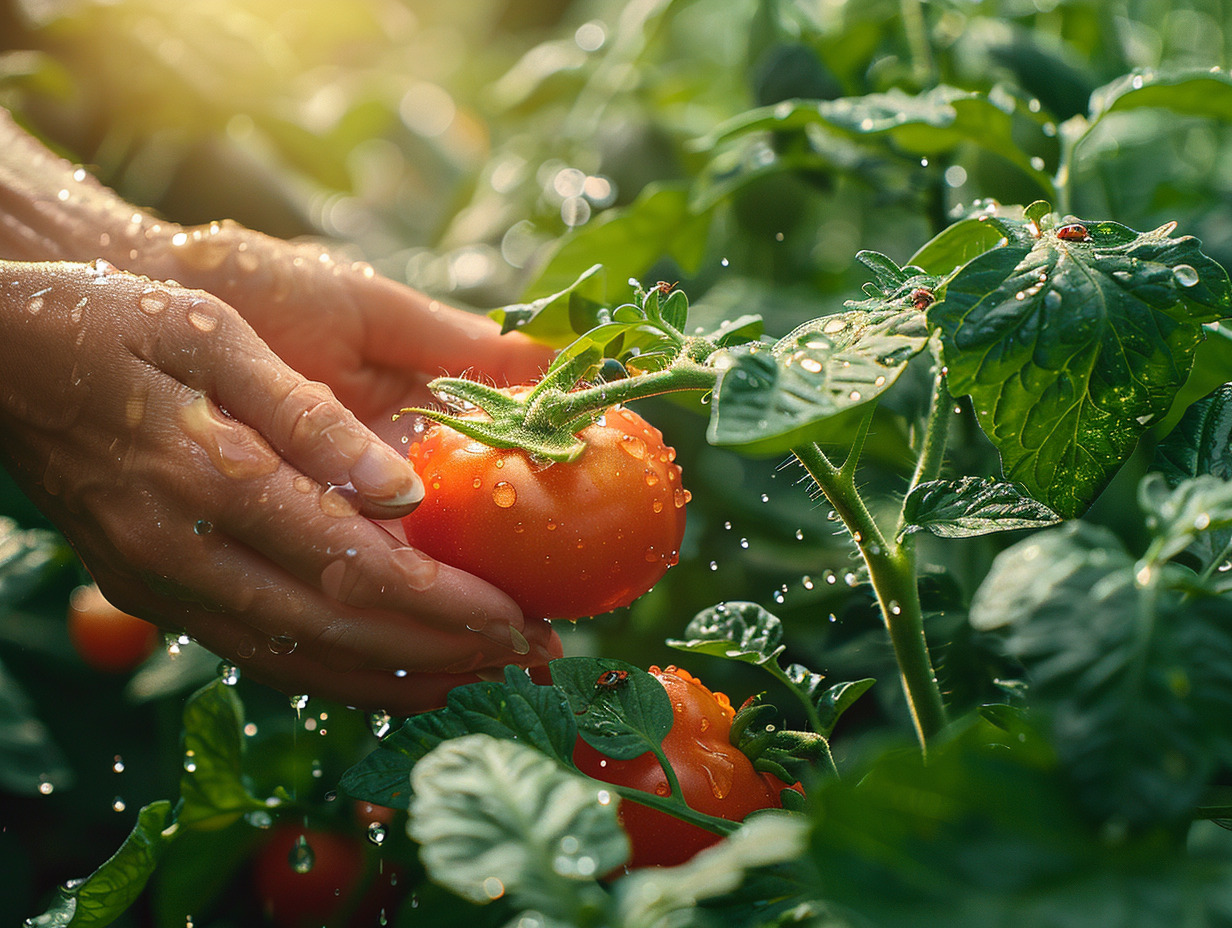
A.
pixel 715 777
pixel 564 539
pixel 105 637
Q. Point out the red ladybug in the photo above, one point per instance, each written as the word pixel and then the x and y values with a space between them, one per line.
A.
pixel 610 679
pixel 1074 233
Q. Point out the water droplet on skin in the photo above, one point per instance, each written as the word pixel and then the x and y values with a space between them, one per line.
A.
pixel 1185 275
pixel 339 501
pixel 281 644
pixel 35 304
pixel 153 302
pixel 232 449
pixel 202 321
pixel 504 495
pixel 202 527
pixel 246 647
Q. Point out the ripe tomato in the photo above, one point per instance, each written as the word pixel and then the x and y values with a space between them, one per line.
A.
pixel 106 638
pixel 292 896
pixel 715 776
pixel 564 540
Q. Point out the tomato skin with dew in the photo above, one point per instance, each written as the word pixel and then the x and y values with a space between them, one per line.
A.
pixel 105 637
pixel 715 776
pixel 565 541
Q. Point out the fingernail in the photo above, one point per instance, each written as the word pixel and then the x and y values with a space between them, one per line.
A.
pixel 385 478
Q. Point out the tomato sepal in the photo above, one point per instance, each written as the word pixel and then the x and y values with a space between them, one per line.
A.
pixel 787 754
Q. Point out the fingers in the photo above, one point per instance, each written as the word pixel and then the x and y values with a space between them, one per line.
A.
pixel 300 420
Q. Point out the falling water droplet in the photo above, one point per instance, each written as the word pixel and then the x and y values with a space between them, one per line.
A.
pixel 301 857
pixel 380 722
pixel 376 833
pixel 228 673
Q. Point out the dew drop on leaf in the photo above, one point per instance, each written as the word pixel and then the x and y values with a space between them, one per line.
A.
pixel 1185 275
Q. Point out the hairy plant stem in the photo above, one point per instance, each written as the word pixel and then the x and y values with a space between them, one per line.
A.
pixel 683 375
pixel 892 570
pixel 936 434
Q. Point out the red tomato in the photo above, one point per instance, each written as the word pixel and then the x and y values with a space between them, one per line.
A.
pixel 715 777
pixel 294 897
pixel 564 540
pixel 106 638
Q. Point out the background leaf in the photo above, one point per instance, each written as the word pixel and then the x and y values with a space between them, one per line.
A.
pixel 1201 442
pixel 1134 677
pixel 1069 350
pixel 29 756
pixel 211 786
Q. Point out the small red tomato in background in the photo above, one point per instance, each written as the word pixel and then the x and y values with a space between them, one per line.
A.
pixel 307 877
pixel 566 541
pixel 106 638
pixel 715 776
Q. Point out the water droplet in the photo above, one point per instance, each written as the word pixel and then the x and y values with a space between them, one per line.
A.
pixel 633 446
pixel 714 565
pixel 376 833
pixel 153 302
pixel 228 673
pixel 118 804
pixel 301 857
pixel 1185 275
pixel 806 582
pixel 203 527
pixel 339 501
pixel 651 555
pixel 799 534
pixel 117 765
pixel 744 542
pixel 504 494
pixel 246 647
pixel 652 479
pixel 380 722
pixel 662 789
pixel 1052 300
pixel 35 304
pixel 45 787
pixel 895 608
pixel 298 703
pixel 551 526
pixel 281 644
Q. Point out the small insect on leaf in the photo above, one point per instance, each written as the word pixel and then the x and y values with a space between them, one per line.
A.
pixel 665 288
pixel 922 298
pixel 610 679
pixel 1074 233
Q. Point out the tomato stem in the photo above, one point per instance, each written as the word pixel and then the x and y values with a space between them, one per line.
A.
pixel 892 571
pixel 681 376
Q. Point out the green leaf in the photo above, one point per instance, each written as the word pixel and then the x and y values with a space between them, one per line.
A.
pixel 738 631
pixel 769 399
pixel 1181 516
pixel 669 896
pixel 957 244
pixel 836 700
pixel 516 710
pixel 1192 92
pixel 211 785
pixel 1133 674
pixel 622 721
pixel 548 318
pixel 628 241
pixel 985 832
pixel 928 124
pixel 971 506
pixel 1069 350
pixel 495 817
pixel 29 757
pixel 101 897
pixel 1201 442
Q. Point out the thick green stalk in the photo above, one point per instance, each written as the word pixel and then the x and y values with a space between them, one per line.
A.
pixel 892 571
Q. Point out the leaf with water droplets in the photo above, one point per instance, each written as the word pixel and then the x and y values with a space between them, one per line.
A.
pixel 622 721
pixel 1065 388
pixel 1190 91
pixel 737 631
pixel 770 398
pixel 971 506
pixel 101 897
pixel 212 786
pixel 1201 442
pixel 495 818
pixel 516 709
pixel 1181 516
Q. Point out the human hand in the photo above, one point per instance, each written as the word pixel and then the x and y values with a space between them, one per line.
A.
pixel 210 487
